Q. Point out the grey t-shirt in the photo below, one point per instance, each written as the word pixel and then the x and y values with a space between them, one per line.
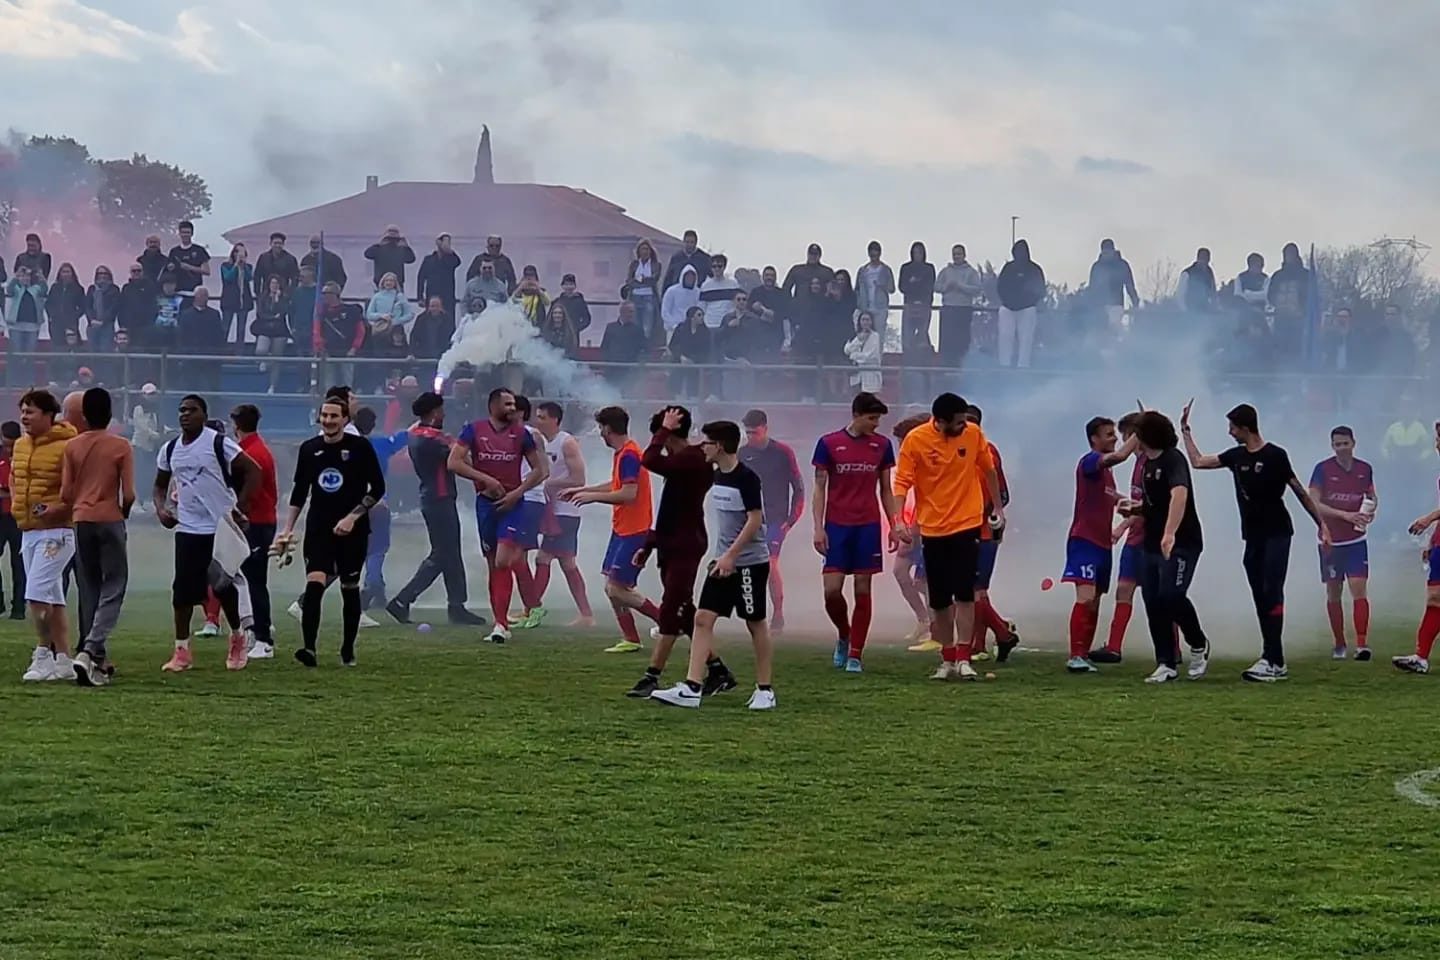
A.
pixel 732 496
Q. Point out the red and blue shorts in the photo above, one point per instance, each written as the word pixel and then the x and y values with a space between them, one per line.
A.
pixel 1132 559
pixel 1089 563
pixel 854 549
pixel 989 549
pixel 620 565
pixel 521 525
pixel 1351 561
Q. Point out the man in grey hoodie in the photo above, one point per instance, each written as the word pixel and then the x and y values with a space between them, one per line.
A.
pixel 874 285
pixel 958 285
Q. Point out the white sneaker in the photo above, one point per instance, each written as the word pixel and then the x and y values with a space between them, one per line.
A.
pixel 63 668
pixel 261 651
pixel 368 621
pixel 1080 665
pixel 1339 653
pixel 943 672
pixel 1199 662
pixel 963 671
pixel 1163 674
pixel 1411 664
pixel 655 634
pixel 1263 671
pixel 499 634
pixel 295 611
pixel 210 629
pixel 42 662
pixel 762 700
pixel 681 695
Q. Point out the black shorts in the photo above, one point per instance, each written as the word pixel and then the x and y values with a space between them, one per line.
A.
pixel 342 557
pixel 194 553
pixel 951 565
pixel 741 594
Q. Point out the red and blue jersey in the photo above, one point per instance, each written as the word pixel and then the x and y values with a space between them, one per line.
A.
pixel 854 465
pixel 1342 489
pixel 497 451
pixel 1095 499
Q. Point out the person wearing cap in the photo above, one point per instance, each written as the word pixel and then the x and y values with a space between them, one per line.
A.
pixel 574 303
pixel 797 279
pixel 326 263
pixel 437 274
pixel 503 268
pixel 145 432
pixel 390 255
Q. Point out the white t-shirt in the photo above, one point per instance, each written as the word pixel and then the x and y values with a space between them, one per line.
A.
pixel 201 495
pixel 555 450
pixel 535 494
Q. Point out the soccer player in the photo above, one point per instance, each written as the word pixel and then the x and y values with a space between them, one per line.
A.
pixel 205 465
pixel 1088 550
pixel 262 514
pixel 851 464
pixel 373 592
pixel 527 537
pixel 628 493
pixel 47 542
pixel 735 583
pixel 98 485
pixel 679 541
pixel 1132 531
pixel 784 490
pixel 340 475
pixel 1173 543
pixel 488 453
pixel 429 452
pixel 1007 638
pixel 1262 473
pixel 1343 489
pixel 562 540
pixel 947 463
pixel 909 569
pixel 1419 661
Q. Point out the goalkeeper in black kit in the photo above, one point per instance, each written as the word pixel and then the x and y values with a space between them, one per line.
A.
pixel 340 475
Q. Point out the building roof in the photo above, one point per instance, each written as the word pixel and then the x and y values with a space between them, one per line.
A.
pixel 424 210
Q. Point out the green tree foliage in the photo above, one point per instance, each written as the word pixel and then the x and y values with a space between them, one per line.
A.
pixel 140 196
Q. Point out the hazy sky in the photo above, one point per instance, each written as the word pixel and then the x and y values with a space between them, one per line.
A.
pixel 1238 125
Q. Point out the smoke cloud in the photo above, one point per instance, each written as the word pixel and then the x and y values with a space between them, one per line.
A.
pixel 505 335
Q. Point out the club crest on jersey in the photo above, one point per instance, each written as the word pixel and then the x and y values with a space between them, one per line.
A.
pixel 344 455
pixel 330 480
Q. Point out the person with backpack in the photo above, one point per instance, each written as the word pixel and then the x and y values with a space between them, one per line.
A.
pixel 206 467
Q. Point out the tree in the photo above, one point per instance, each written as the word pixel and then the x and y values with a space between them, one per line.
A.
pixel 141 196
pixel 46 184
pixel 1159 281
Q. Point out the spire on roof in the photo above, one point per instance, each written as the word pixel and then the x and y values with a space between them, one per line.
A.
pixel 484 162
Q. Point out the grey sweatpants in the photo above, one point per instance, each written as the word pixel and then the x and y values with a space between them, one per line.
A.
pixel 102 571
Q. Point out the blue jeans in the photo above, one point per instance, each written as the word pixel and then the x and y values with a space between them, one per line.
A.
pixel 379 545
pixel 102 338
pixel 647 312
pixel 24 341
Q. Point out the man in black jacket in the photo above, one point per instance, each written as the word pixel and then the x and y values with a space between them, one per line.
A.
pixel 34 257
pixel 137 308
pixel 574 303
pixel 437 274
pixel 689 254
pixel 279 261
pixel 1021 286
pixel 390 255
pixel 797 279
pixel 153 259
pixel 328 266
pixel 202 331
pixel 504 269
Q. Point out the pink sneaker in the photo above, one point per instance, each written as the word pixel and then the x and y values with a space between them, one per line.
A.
pixel 179 661
pixel 237 657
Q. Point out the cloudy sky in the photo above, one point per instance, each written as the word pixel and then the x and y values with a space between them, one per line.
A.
pixel 1239 125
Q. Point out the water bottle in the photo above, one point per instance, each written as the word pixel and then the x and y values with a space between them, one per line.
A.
pixel 1367 510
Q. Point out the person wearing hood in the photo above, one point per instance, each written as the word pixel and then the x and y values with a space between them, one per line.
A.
pixel 689 254
pixel 1289 295
pixel 1197 285
pixel 917 287
pixel 1021 287
pixel 576 309
pixel 717 293
pixel 24 309
pixel 959 284
pixel 678 299
pixel 65 306
pixel 874 285
pixel 437 274
pixel 102 307
pixel 1111 280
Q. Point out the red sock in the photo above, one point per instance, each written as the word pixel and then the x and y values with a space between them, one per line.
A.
pixel 1429 629
pixel 860 628
pixel 649 609
pixel 502 584
pixel 1082 629
pixel 839 615
pixel 627 625
pixel 542 580
pixel 977 635
pixel 576 579
pixel 991 618
pixel 1336 612
pixel 525 580
pixel 1119 623
pixel 1362 621
pixel 950 653
pixel 211 607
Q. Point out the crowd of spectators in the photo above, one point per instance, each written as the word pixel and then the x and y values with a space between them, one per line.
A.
pixel 690 311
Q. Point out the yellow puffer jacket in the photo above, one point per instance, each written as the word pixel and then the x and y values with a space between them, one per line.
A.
pixel 35 478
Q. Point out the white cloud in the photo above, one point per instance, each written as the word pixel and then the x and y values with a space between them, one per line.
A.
pixel 193 40
pixel 64 30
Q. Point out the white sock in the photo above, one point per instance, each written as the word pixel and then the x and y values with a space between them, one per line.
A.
pixel 182 644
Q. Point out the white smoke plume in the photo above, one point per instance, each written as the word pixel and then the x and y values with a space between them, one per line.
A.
pixel 504 335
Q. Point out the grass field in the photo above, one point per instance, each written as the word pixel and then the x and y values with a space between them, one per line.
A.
pixel 449 799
